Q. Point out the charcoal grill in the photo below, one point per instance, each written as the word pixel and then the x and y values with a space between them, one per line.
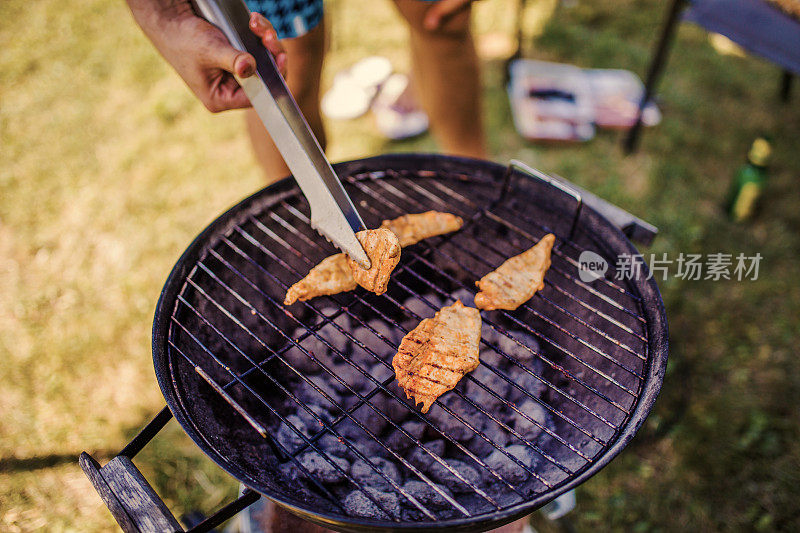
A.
pixel 288 399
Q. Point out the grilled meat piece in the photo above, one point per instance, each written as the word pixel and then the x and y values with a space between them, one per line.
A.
pixel 411 229
pixel 435 355
pixel 338 273
pixel 383 250
pixel 331 276
pixel 516 281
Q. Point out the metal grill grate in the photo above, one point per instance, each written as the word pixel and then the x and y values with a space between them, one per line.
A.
pixel 559 376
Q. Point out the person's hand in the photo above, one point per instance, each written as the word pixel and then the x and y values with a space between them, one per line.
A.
pixel 200 53
pixel 442 10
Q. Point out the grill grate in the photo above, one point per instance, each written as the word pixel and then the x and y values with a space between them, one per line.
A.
pixel 576 351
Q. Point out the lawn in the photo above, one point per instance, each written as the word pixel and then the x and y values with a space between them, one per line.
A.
pixel 109 167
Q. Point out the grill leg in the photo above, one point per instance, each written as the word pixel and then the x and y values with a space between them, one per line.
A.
pixel 147 433
pixel 654 72
pixel 786 86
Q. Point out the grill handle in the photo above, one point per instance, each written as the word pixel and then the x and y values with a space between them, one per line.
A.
pixel 131 499
pixel 632 226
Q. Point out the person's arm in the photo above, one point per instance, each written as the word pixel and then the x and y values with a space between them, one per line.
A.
pixel 441 10
pixel 200 53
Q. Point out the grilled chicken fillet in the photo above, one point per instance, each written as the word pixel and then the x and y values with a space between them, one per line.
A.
pixel 411 229
pixel 333 275
pixel 516 281
pixel 435 355
pixel 383 250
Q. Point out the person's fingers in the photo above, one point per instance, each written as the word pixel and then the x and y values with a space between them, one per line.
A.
pixel 225 93
pixel 220 54
pixel 260 25
pixel 244 65
pixel 442 10
pixel 237 99
pixel 269 38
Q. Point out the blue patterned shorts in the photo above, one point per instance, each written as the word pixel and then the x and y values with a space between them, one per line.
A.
pixel 290 18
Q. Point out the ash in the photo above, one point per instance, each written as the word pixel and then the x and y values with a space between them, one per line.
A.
pixel 360 437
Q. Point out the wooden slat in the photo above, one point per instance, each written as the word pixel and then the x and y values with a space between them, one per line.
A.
pixel 132 501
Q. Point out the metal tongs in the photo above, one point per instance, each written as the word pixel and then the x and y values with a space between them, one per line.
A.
pixel 332 212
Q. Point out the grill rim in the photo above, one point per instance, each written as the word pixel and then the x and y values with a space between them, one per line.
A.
pixel 651 304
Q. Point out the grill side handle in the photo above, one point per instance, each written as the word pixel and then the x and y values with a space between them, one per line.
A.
pixel 632 226
pixel 131 499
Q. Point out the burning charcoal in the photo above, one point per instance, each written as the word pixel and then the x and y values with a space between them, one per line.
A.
pixel 334 337
pixel 358 504
pixel 342 320
pixel 322 468
pixel 448 424
pixel 474 502
pixel 490 339
pixel 509 469
pixel 524 354
pixel 525 427
pixel 481 447
pixel 426 495
pixel 422 459
pixel 365 474
pixel 312 421
pixel 288 437
pixel 349 430
pixel 359 440
pixel 320 350
pixel 446 477
pixel 372 343
pixel 316 348
pixel 467 297
pixel 301 361
pixel 305 392
pixel 529 385
pixel 507 343
pixel 352 377
pixel 399 442
pixel 505 496
pixel 331 444
pixel 491 381
pixel 371 420
pixel 381 372
pixel 392 334
pixel 418 306
pixel 371 448
pixel 325 382
pixel 524 454
pixel 397 408
pixel 506 467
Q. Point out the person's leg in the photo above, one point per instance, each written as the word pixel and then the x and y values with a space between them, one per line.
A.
pixel 446 72
pixel 304 56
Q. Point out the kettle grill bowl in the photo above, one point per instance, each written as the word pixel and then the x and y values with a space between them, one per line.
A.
pixel 222 339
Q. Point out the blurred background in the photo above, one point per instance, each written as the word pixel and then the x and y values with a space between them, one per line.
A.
pixel 109 167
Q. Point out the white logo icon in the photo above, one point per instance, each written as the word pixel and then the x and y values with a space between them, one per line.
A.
pixel 591 266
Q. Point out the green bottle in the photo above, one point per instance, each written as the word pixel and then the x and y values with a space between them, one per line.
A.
pixel 749 181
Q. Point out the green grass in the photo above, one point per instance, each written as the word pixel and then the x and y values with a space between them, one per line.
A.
pixel 108 168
